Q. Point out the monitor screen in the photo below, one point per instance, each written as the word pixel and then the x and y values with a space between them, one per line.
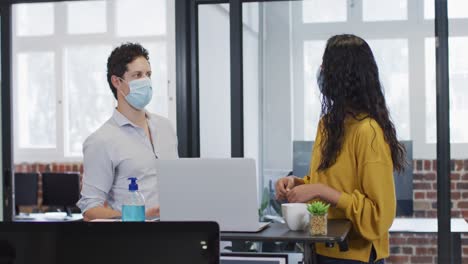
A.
pixel 60 189
pixel 117 242
pixel 26 185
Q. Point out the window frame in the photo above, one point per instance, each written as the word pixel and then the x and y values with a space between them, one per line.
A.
pixel 417 29
pixel 55 43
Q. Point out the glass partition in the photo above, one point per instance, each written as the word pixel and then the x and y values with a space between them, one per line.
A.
pixel 281 95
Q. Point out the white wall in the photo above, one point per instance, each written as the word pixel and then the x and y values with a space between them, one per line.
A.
pixel 214 81
pixel 252 89
pixel 277 88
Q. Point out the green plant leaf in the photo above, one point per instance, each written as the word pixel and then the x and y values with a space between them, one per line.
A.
pixel 318 208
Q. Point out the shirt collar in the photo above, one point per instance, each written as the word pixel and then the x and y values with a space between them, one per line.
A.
pixel 121 120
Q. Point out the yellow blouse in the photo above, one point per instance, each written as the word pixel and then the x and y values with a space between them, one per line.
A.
pixel 363 173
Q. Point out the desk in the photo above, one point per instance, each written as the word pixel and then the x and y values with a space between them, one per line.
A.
pixel 429 225
pixel 426 225
pixel 338 230
pixel 45 217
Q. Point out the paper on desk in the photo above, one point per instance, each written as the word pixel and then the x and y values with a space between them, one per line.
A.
pixel 106 220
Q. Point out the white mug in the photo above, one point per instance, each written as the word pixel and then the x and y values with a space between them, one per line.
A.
pixel 295 215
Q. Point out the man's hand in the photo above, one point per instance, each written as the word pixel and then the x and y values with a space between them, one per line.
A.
pixel 283 186
pixel 152 212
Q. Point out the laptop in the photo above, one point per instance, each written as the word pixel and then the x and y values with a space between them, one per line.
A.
pixel 201 189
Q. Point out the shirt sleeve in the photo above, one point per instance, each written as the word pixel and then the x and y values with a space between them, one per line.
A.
pixel 372 210
pixel 98 174
pixel 91 197
pixel 371 207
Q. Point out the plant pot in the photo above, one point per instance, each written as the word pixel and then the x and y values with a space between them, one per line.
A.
pixel 318 224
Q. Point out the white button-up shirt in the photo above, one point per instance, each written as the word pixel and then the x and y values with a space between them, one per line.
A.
pixel 118 150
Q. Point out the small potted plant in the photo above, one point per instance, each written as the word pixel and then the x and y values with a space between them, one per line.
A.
pixel 318 212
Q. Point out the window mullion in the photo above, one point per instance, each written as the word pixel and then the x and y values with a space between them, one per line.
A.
pixel 354 11
pixel 60 13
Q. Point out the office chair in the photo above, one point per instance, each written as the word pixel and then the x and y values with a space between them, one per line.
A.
pixel 404 183
pixel 26 185
pixel 61 189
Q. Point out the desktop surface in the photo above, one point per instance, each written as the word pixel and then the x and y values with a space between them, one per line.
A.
pixel 338 230
pixel 47 217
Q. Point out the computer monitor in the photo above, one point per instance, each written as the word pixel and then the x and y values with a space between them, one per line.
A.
pixel 26 185
pixel 60 189
pixel 116 242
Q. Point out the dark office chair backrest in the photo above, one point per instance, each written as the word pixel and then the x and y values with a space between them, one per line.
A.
pixel 302 150
pixel 116 243
pixel 26 185
pixel 60 189
pixel 404 183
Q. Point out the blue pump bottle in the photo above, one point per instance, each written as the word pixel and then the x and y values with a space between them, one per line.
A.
pixel 133 209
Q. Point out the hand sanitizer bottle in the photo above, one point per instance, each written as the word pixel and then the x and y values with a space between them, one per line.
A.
pixel 133 209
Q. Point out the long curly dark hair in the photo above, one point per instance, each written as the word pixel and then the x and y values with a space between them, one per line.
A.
pixel 349 83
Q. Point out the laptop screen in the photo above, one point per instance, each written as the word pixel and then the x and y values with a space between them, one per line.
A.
pixel 217 190
pixel 149 243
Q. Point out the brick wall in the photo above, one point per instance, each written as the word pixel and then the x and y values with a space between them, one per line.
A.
pixel 404 248
pixel 422 248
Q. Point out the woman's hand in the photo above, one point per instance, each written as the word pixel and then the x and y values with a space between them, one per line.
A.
pixel 283 186
pixel 303 193
pixel 307 192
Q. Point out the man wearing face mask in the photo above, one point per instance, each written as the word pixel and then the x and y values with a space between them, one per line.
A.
pixel 128 144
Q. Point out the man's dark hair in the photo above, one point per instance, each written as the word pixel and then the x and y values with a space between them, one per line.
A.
pixel 120 58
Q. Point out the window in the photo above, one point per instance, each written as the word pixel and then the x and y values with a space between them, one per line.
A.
pixel 36 97
pixel 458 58
pixel 58 106
pixel 392 59
pixel 34 20
pixel 456 9
pixel 404 48
pixel 383 10
pixel 81 84
pixel 314 11
pixel 86 17
pixel 312 108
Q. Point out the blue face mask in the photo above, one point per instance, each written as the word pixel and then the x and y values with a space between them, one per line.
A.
pixel 140 93
pixel 320 78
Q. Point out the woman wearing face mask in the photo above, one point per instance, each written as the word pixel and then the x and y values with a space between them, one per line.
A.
pixel 128 143
pixel 356 151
